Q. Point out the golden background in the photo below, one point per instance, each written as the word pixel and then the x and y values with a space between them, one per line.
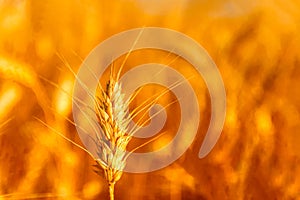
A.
pixel 256 47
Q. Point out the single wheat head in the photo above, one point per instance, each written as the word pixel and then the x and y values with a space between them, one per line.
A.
pixel 113 118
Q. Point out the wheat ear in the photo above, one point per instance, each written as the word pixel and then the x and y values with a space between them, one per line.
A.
pixel 111 111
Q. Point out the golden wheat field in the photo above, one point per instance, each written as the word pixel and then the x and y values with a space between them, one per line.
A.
pixel 256 46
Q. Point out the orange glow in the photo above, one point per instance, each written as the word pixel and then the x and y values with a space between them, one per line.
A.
pixel 256 46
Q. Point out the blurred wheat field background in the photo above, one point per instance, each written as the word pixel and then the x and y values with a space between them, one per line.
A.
pixel 256 46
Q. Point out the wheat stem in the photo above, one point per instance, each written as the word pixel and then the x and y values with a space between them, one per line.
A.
pixel 111 191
